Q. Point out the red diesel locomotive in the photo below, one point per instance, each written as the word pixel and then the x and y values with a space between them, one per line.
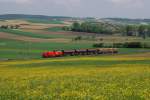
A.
pixel 75 52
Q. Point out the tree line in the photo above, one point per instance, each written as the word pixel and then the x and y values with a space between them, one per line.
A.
pixel 89 27
pixel 122 45
pixel 107 28
pixel 9 26
pixel 137 30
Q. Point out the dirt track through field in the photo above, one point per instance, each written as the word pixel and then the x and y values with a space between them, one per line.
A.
pixel 29 39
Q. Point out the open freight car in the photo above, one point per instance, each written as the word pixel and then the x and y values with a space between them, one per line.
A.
pixel 76 52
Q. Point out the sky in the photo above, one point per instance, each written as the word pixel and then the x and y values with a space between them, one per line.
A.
pixel 78 8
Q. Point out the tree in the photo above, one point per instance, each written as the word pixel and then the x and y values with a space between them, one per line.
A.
pixel 4 26
pixel 148 31
pixel 84 26
pixel 66 28
pixel 12 27
pixel 130 30
pixel 78 38
pixel 17 26
pixel 76 26
pixel 95 27
pixel 142 31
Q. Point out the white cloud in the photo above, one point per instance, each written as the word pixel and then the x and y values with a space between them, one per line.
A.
pixel 67 2
pixel 128 3
pixel 121 1
pixel 69 5
pixel 61 2
pixel 16 1
pixel 124 1
pixel 23 1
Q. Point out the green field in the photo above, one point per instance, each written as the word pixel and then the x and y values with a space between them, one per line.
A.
pixel 25 75
pixel 45 21
pixel 11 49
pixel 124 76
pixel 119 77
pixel 54 29
pixel 31 34
pixel 39 35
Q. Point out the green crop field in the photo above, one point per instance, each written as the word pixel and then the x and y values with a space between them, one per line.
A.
pixel 45 21
pixel 25 75
pixel 13 49
pixel 113 77
pixel 31 34
pixel 54 29
pixel 39 35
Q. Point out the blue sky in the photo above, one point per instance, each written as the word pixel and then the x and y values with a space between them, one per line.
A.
pixel 78 8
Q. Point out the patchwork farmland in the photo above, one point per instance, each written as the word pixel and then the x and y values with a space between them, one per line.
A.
pixel 25 75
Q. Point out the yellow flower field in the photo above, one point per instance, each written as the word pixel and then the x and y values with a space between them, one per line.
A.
pixel 113 77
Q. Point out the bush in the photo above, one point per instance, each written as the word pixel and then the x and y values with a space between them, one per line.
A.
pixel 66 28
pixel 122 45
pixel 108 45
pixel 98 45
pixel 146 45
pixel 118 45
pixel 133 45
pixel 102 45
pixel 78 38
pixel 101 39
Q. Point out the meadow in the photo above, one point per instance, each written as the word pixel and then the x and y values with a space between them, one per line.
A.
pixel 13 49
pixel 54 29
pixel 25 75
pixel 107 77
pixel 44 21
pixel 31 34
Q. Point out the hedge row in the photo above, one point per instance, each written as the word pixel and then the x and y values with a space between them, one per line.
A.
pixel 122 45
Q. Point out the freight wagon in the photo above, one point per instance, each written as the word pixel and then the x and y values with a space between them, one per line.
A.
pixel 76 52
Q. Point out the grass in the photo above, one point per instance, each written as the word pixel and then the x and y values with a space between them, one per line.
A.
pixel 16 49
pixel 30 34
pixel 77 78
pixel 45 21
pixel 2 20
pixel 54 29
pixel 37 35
pixel 12 49
pixel 132 50
pixel 125 76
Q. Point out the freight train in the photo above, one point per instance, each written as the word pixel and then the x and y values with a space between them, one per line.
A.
pixel 75 52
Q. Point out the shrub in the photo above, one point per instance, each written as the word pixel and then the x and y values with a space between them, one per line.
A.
pixel 78 38
pixel 133 45
pixel 66 28
pixel 118 45
pixel 108 45
pixel 122 45
pixel 101 39
pixel 146 45
pixel 98 45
